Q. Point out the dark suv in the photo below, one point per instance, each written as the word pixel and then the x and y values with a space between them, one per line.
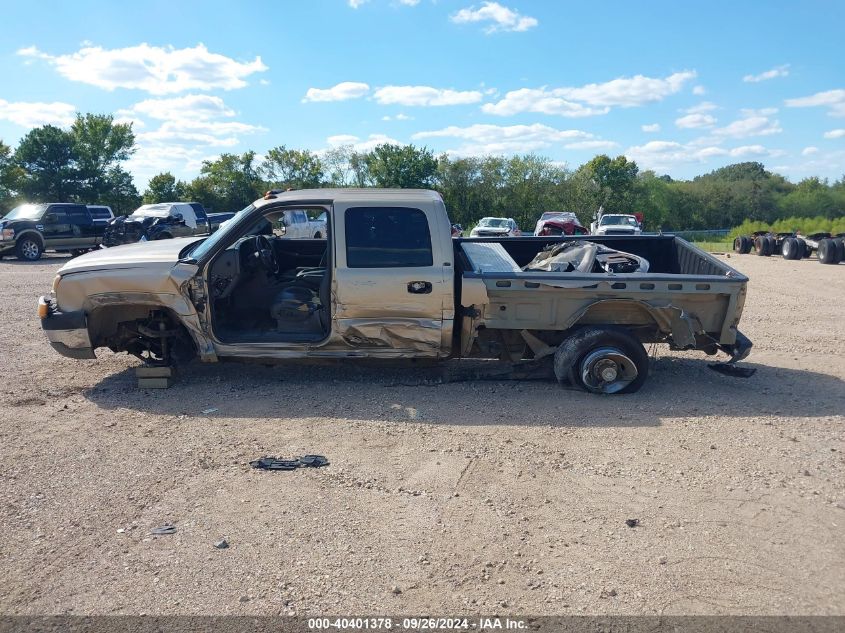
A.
pixel 30 229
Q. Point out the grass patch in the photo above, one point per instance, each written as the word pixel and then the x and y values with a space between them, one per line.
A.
pixel 715 247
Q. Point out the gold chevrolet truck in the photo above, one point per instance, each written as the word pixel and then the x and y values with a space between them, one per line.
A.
pixel 390 282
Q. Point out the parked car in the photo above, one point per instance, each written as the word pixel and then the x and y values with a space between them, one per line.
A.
pixel 559 223
pixel 160 221
pixel 391 283
pixel 616 224
pixel 215 220
pixel 496 227
pixel 30 229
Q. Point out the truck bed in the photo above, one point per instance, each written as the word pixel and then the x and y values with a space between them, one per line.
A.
pixel 690 296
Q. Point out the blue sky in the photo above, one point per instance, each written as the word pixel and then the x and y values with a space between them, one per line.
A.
pixel 680 87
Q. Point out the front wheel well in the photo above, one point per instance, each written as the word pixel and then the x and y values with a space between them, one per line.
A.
pixel 151 333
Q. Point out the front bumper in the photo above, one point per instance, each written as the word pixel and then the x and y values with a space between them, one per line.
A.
pixel 66 331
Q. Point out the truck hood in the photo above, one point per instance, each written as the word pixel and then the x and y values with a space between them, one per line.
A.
pixel 137 255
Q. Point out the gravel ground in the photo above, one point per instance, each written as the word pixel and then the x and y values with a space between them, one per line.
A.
pixel 508 497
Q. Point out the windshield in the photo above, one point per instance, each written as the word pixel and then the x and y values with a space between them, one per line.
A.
pixel 152 211
pixel 219 235
pixel 26 212
pixel 496 223
pixel 618 220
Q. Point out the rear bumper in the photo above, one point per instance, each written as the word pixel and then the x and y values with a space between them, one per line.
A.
pixel 739 350
pixel 66 331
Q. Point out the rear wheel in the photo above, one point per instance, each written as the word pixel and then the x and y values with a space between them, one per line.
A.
pixel 28 248
pixel 762 246
pixel 791 249
pixel 840 249
pixel 602 360
pixel 827 251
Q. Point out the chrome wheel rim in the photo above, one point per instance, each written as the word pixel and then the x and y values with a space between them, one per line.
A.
pixel 607 370
pixel 29 249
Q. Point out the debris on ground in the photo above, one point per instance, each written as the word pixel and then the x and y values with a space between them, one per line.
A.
pixel 167 528
pixel 274 463
pixel 632 522
pixel 222 544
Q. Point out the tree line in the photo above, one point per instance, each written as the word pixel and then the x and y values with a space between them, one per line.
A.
pixel 85 163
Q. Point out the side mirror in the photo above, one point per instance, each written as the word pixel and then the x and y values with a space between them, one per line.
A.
pixel 50 218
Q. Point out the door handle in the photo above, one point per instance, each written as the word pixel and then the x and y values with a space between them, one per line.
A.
pixel 419 287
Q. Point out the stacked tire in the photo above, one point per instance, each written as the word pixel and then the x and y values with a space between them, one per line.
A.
pixel 831 250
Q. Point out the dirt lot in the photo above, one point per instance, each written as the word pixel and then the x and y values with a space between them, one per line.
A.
pixel 457 498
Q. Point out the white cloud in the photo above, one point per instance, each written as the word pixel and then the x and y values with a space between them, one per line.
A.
pixel 542 101
pixel 699 90
pixel 33 114
pixel 210 133
pixel 664 155
pixel 593 145
pixel 834 133
pixel 497 17
pixel 651 127
pixel 154 69
pixel 808 151
pixel 777 71
pixel 191 107
pixel 357 3
pixel 704 106
pixel 192 128
pixel 833 99
pixel 425 96
pixel 754 125
pixel 599 98
pixel 691 121
pixel 480 139
pixel 759 111
pixel 409 3
pixel 343 91
pixel 359 145
pixel 398 117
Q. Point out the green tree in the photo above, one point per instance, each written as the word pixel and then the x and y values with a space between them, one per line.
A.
pixel 119 192
pixel 401 166
pixel 164 187
pixel 299 169
pixel 7 177
pixel 47 167
pixel 613 182
pixel 229 183
pixel 99 146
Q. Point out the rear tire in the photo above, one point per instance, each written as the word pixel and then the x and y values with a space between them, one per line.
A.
pixel 827 251
pixel 29 249
pixel 605 360
pixel 791 249
pixel 840 249
pixel 763 246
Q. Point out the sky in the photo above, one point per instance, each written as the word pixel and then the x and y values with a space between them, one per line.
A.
pixel 680 87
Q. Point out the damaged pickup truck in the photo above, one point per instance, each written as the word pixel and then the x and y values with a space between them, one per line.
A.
pixel 391 283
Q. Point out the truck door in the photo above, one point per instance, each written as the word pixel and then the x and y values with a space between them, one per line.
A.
pixel 393 283
pixel 82 227
pixel 57 229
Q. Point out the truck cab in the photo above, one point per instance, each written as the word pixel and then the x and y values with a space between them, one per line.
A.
pixel 30 229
